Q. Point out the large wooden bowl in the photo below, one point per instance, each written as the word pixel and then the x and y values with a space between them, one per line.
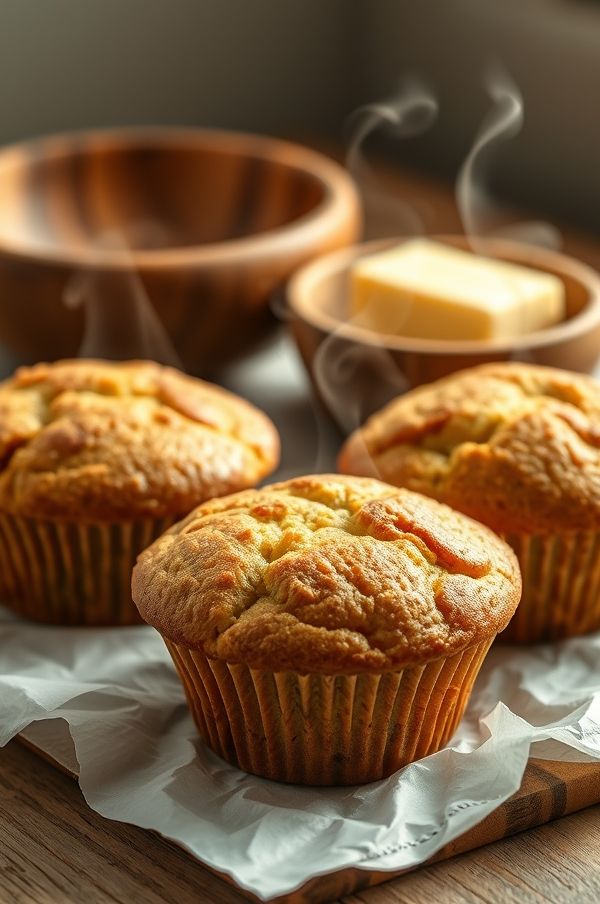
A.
pixel 355 370
pixel 210 222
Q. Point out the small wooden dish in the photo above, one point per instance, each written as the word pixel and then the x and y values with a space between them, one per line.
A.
pixel 211 222
pixel 355 370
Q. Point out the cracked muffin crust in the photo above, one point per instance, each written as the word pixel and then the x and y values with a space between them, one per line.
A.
pixel 515 446
pixel 327 574
pixel 101 441
pixel 97 459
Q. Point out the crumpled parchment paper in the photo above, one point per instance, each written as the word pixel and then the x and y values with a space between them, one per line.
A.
pixel 141 761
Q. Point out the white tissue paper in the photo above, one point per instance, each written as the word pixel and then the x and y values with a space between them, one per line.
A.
pixel 141 761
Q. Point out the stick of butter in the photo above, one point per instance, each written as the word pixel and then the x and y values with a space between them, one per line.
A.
pixel 431 291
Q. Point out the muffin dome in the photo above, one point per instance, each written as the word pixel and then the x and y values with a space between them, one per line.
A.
pixel 327 574
pixel 515 446
pixel 98 441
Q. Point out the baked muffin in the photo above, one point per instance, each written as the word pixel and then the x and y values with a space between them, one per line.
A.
pixel 96 460
pixel 517 447
pixel 327 630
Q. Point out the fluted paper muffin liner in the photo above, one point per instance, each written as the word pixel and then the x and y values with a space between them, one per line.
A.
pixel 561 586
pixel 66 573
pixel 326 729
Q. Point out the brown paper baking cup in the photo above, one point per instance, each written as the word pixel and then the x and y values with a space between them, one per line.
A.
pixel 326 729
pixel 65 573
pixel 561 586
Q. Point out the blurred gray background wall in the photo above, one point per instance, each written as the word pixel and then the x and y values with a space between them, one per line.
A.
pixel 265 65
pixel 550 49
pixel 298 67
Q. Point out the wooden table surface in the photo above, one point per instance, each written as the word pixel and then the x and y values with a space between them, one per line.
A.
pixel 55 850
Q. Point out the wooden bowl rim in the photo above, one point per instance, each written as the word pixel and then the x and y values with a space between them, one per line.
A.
pixel 340 202
pixel 299 299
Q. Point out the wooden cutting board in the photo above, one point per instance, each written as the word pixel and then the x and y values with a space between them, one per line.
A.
pixel 549 790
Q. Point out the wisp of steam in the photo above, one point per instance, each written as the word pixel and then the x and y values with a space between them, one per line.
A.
pixel 478 211
pixel 120 322
pixel 339 365
pixel 407 113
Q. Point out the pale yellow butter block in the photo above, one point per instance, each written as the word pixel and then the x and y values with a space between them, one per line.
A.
pixel 431 291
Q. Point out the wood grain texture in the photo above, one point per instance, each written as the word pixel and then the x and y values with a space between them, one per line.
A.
pixel 54 850
pixel 549 790
pixel 203 225
pixel 555 863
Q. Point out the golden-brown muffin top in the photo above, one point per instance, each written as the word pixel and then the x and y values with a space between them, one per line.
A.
pixel 516 446
pixel 95 440
pixel 327 574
